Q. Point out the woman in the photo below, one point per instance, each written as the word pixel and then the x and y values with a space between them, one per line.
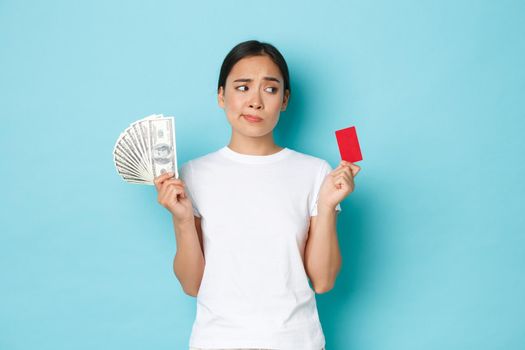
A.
pixel 255 221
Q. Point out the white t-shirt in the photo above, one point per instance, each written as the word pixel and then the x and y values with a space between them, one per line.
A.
pixel 255 215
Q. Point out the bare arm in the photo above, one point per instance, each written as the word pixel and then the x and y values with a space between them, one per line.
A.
pixel 189 262
pixel 322 254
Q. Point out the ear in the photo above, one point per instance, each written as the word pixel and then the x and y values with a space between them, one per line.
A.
pixel 286 97
pixel 220 97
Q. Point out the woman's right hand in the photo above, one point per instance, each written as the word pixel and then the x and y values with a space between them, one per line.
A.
pixel 172 196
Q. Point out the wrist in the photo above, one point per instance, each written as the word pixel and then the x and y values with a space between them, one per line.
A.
pixel 184 224
pixel 325 208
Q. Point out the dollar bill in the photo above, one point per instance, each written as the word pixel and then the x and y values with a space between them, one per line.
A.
pixel 146 149
pixel 162 146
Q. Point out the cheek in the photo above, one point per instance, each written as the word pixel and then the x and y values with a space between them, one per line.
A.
pixel 233 103
pixel 274 103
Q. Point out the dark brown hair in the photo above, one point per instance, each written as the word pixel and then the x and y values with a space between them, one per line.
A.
pixel 253 48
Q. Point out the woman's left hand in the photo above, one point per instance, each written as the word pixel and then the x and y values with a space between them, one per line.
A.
pixel 338 184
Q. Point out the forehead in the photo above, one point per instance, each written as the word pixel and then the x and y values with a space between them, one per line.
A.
pixel 252 67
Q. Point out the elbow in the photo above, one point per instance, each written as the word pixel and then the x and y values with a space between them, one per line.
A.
pixel 323 288
pixel 186 288
pixel 191 292
pixel 325 285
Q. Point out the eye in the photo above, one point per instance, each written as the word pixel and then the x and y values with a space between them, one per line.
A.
pixel 274 89
pixel 241 86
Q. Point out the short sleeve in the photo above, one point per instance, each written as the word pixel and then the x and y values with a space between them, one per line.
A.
pixel 186 175
pixel 323 172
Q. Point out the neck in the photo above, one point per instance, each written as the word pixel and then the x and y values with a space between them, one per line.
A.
pixel 257 146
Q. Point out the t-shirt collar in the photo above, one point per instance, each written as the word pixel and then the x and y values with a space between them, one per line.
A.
pixel 253 159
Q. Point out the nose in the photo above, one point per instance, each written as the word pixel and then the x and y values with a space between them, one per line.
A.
pixel 255 105
pixel 256 101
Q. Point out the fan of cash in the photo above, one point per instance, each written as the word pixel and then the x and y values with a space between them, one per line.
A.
pixel 146 149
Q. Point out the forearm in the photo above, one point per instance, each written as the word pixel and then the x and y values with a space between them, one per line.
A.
pixel 188 263
pixel 322 254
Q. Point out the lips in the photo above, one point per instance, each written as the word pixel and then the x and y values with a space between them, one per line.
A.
pixel 252 118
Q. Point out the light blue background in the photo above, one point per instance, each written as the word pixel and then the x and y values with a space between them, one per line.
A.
pixel 432 238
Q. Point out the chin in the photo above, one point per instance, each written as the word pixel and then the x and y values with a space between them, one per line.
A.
pixel 252 133
pixel 256 134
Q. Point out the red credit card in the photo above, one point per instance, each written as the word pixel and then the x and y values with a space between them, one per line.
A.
pixel 348 144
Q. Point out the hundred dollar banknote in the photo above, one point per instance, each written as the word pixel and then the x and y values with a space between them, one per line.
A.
pixel 146 149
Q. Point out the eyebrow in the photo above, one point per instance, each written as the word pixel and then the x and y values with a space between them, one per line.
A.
pixel 249 80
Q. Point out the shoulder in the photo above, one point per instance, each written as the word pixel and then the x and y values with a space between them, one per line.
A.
pixel 310 161
pixel 198 163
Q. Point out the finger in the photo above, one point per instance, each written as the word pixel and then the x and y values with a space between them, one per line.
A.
pixel 171 181
pixel 349 178
pixel 344 170
pixel 164 191
pixel 171 191
pixel 347 169
pixel 354 169
pixel 161 198
pixel 340 182
pixel 175 189
pixel 343 181
pixel 344 176
pixel 165 197
pixel 174 192
pixel 161 178
pixel 344 162
pixel 170 185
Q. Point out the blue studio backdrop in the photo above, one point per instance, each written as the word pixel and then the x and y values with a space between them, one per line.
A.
pixel 432 238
